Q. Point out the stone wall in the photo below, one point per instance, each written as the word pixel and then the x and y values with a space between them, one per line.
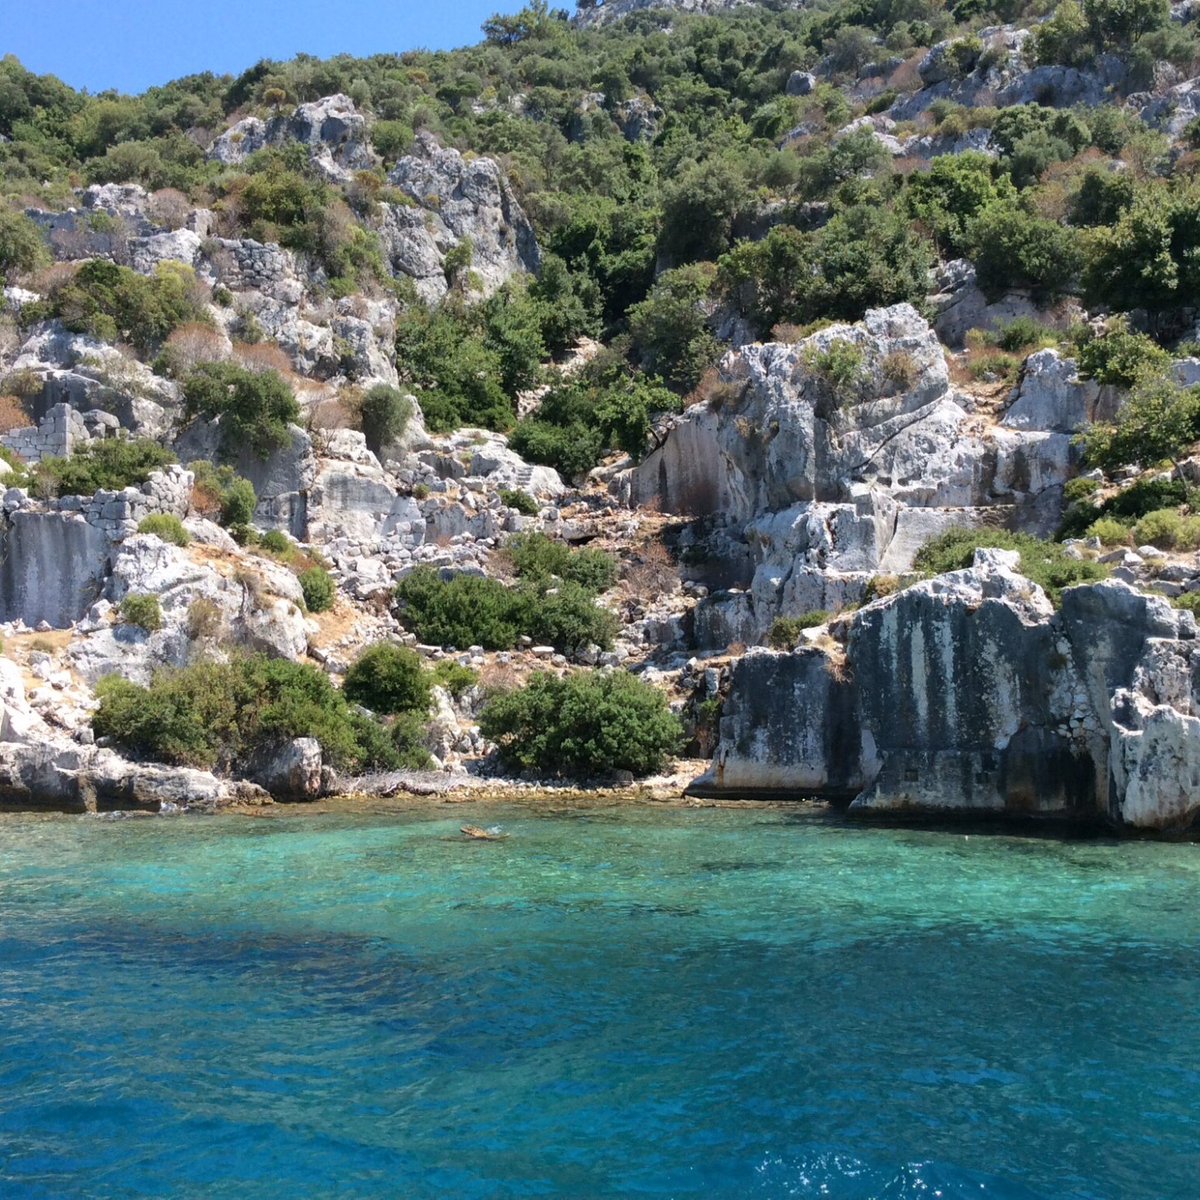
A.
pixel 55 556
pixel 58 433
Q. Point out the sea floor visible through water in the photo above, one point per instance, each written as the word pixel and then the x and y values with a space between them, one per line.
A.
pixel 633 1001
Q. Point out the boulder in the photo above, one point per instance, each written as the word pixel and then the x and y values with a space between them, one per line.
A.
pixel 333 129
pixel 801 83
pixel 291 772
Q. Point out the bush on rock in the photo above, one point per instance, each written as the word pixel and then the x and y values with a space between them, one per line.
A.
pixel 390 679
pixel 586 724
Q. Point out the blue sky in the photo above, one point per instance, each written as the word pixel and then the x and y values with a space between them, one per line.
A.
pixel 134 44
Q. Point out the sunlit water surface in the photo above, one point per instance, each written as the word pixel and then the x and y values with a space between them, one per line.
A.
pixel 616 1002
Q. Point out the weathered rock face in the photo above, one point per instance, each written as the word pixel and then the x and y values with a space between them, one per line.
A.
pixel 332 127
pixel 960 306
pixel 290 772
pixel 1003 75
pixel 458 200
pixel 55 557
pixel 829 484
pixel 968 695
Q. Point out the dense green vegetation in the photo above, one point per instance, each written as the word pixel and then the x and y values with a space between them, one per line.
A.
pixel 583 725
pixel 113 303
pixel 111 464
pixel 471 610
pixel 1046 563
pixel 644 240
pixel 388 678
pixel 165 526
pixel 221 715
pixel 255 407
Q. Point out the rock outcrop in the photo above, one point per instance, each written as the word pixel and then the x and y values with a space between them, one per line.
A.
pixel 333 129
pixel 968 695
pixel 456 201
pixel 815 483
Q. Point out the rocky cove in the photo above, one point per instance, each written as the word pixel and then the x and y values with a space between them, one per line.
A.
pixel 765 478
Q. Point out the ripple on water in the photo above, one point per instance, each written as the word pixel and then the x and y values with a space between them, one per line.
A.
pixel 661 1003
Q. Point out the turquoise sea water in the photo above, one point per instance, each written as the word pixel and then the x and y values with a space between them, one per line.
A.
pixel 614 1002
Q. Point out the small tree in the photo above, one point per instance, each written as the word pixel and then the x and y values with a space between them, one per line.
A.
pixel 583 725
pixel 144 611
pixel 388 678
pixel 255 408
pixel 385 416
pixel 21 246
pixel 319 589
pixel 1160 421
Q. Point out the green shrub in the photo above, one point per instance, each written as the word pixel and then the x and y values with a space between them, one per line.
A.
pixel 470 610
pixel 275 541
pixel 586 724
pixel 220 715
pixel 785 631
pixel 1121 356
pixel 467 610
pixel 388 678
pixel 670 327
pixel 1189 602
pixel 839 366
pixel 220 492
pixel 114 303
pixel 1110 531
pixel 1014 249
pixel 165 526
pixel 407 736
pixel 111 464
pixel 143 611
pixel 523 502
pixel 1145 496
pixel 1080 488
pixel 319 589
pixel 22 248
pixel 385 416
pixel 456 678
pixel 1045 563
pixel 1160 421
pixel 539 558
pixel 947 197
pixel 1168 530
pixel 1024 333
pixel 255 408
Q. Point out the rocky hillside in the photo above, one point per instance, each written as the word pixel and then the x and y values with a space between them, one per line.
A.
pixel 831 373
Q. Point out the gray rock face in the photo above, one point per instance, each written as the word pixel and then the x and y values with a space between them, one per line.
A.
pixel 1052 398
pixel 1003 76
pixel 291 772
pixel 959 306
pixel 55 557
pixel 968 695
pixel 829 485
pixel 638 119
pixel 458 200
pixel 332 127
pixel 801 83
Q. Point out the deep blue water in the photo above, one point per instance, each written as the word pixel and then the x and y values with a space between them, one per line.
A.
pixel 616 1002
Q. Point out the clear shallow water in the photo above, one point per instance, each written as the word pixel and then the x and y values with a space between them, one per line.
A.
pixel 620 1002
